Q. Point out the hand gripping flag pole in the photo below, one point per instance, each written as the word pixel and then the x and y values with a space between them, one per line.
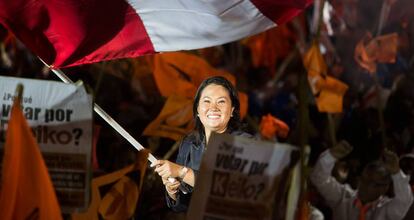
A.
pixel 105 116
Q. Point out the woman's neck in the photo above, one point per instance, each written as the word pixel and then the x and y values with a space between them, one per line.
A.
pixel 208 134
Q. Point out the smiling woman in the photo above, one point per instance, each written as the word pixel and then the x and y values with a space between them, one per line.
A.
pixel 216 108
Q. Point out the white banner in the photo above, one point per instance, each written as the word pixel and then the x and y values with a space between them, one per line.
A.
pixel 239 178
pixel 60 116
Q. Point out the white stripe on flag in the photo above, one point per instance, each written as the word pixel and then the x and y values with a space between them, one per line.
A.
pixel 206 22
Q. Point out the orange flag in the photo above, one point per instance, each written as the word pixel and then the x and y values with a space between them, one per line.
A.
pixel 244 99
pixel 327 90
pixel 213 55
pixel 331 95
pixel 271 126
pixel 121 200
pixel 174 120
pixel 370 51
pixel 266 48
pixel 26 191
pixel 181 73
pixel 315 65
pixel 303 211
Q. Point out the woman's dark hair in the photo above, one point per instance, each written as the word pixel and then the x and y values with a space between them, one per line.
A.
pixel 234 122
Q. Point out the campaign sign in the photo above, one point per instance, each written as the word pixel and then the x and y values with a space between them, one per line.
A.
pixel 239 178
pixel 60 116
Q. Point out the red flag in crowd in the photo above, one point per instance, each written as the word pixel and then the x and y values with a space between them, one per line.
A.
pixel 26 189
pixel 71 32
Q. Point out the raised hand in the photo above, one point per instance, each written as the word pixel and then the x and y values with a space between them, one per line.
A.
pixel 341 149
pixel 391 161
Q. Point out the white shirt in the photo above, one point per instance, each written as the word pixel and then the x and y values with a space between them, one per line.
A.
pixel 341 197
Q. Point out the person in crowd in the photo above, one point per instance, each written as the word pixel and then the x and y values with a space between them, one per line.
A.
pixel 407 166
pixel 216 109
pixel 369 200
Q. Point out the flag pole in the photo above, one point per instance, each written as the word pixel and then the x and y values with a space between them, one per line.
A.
pixel 105 116
pixel 385 10
pixel 19 92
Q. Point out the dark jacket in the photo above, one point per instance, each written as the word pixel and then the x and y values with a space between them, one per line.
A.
pixel 189 154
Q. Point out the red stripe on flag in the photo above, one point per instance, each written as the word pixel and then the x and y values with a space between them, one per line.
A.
pixel 281 11
pixel 73 32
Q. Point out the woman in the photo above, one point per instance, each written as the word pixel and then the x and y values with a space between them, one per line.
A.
pixel 216 108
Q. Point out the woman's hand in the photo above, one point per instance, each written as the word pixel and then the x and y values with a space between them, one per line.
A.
pixel 167 169
pixel 171 188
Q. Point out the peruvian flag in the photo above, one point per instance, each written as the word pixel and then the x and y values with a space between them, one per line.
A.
pixel 73 32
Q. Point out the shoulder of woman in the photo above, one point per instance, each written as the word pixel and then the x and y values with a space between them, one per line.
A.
pixel 241 133
pixel 189 139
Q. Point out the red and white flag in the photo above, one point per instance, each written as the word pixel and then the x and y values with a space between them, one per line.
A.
pixel 73 32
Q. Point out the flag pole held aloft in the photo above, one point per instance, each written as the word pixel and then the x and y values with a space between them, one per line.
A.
pixel 105 116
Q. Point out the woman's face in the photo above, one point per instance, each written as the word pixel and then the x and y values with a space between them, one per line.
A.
pixel 214 108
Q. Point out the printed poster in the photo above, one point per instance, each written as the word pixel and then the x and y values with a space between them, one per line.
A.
pixel 60 116
pixel 239 178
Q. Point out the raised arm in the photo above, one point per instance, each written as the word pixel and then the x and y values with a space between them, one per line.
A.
pixel 403 198
pixel 321 177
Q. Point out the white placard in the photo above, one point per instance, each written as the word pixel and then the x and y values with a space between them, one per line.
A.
pixel 60 116
pixel 237 179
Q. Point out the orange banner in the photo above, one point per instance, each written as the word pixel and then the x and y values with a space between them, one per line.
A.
pixel 181 73
pixel 121 199
pixel 270 127
pixel 331 95
pixel 328 91
pixel 370 51
pixel 266 48
pixel 27 191
pixel 174 120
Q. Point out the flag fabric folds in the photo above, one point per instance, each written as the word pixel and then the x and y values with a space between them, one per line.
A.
pixel 120 201
pixel 175 119
pixel 187 71
pixel 266 48
pixel 328 91
pixel 270 127
pixel 71 32
pixel 370 51
pixel 330 98
pixel 26 189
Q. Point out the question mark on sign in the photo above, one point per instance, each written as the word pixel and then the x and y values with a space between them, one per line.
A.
pixel 77 132
pixel 260 188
